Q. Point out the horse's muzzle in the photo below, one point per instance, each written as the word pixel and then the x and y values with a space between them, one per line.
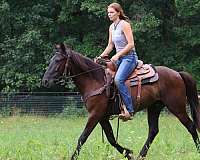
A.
pixel 45 82
pixel 48 83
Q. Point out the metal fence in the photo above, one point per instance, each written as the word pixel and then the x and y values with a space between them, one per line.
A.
pixel 42 103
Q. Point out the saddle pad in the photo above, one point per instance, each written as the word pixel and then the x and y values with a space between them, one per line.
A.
pixel 134 82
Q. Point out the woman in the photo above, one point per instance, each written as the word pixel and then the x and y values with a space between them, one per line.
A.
pixel 121 37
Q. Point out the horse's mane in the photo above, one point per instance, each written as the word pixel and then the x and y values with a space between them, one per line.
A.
pixel 85 64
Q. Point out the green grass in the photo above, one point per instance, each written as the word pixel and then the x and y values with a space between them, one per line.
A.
pixel 40 138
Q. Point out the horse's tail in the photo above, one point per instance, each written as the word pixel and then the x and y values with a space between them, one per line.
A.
pixel 192 97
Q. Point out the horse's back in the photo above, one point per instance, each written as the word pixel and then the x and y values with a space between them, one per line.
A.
pixel 171 85
pixel 168 77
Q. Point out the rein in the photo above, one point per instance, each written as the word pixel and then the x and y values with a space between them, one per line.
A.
pixel 66 75
pixel 82 73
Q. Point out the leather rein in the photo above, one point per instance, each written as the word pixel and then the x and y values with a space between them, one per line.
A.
pixel 66 75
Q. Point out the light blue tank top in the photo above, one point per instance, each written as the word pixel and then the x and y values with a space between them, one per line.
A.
pixel 118 38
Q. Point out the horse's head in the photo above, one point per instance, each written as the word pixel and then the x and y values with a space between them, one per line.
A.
pixel 58 66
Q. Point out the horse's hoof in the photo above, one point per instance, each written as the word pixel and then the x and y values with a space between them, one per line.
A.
pixel 74 157
pixel 140 158
pixel 130 156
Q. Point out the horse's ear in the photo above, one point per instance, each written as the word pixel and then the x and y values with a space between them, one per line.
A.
pixel 62 47
pixel 68 46
pixel 57 46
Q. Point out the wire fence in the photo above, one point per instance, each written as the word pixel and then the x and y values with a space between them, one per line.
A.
pixel 42 103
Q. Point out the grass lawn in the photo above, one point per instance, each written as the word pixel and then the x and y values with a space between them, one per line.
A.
pixel 55 138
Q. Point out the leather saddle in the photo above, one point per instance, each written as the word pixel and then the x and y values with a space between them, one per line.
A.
pixel 143 73
pixel 146 73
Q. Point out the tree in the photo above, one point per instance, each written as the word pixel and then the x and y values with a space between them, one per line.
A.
pixel 166 32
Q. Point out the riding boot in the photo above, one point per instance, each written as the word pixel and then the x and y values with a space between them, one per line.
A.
pixel 125 115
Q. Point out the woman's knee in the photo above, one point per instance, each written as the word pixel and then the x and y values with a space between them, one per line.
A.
pixel 118 81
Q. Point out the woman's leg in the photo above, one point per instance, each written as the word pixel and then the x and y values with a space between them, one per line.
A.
pixel 127 65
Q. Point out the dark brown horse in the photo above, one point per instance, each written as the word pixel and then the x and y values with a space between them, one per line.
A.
pixel 172 90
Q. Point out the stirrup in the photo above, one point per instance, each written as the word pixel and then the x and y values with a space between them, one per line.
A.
pixel 113 117
pixel 124 118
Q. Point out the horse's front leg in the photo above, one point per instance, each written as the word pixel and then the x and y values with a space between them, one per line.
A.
pixel 110 136
pixel 91 123
pixel 96 112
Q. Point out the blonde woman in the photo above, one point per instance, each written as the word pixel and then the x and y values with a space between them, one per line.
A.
pixel 121 37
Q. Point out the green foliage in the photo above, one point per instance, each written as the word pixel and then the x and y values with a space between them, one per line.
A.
pixel 189 23
pixel 5 111
pixel 165 32
pixel 187 8
pixel 94 8
pixel 194 68
pixel 24 45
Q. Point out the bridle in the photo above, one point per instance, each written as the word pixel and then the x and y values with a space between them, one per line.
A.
pixel 67 75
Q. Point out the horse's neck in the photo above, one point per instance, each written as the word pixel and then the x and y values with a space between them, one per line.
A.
pixel 87 84
pixel 86 81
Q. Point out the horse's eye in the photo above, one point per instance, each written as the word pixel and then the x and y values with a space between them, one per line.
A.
pixel 57 60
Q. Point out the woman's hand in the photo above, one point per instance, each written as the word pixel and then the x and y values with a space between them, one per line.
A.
pixel 114 58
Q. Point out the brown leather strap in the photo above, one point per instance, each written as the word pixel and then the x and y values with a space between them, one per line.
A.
pixel 93 93
pixel 139 91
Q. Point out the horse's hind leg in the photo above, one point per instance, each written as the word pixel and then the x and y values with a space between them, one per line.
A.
pixel 153 116
pixel 110 136
pixel 183 117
